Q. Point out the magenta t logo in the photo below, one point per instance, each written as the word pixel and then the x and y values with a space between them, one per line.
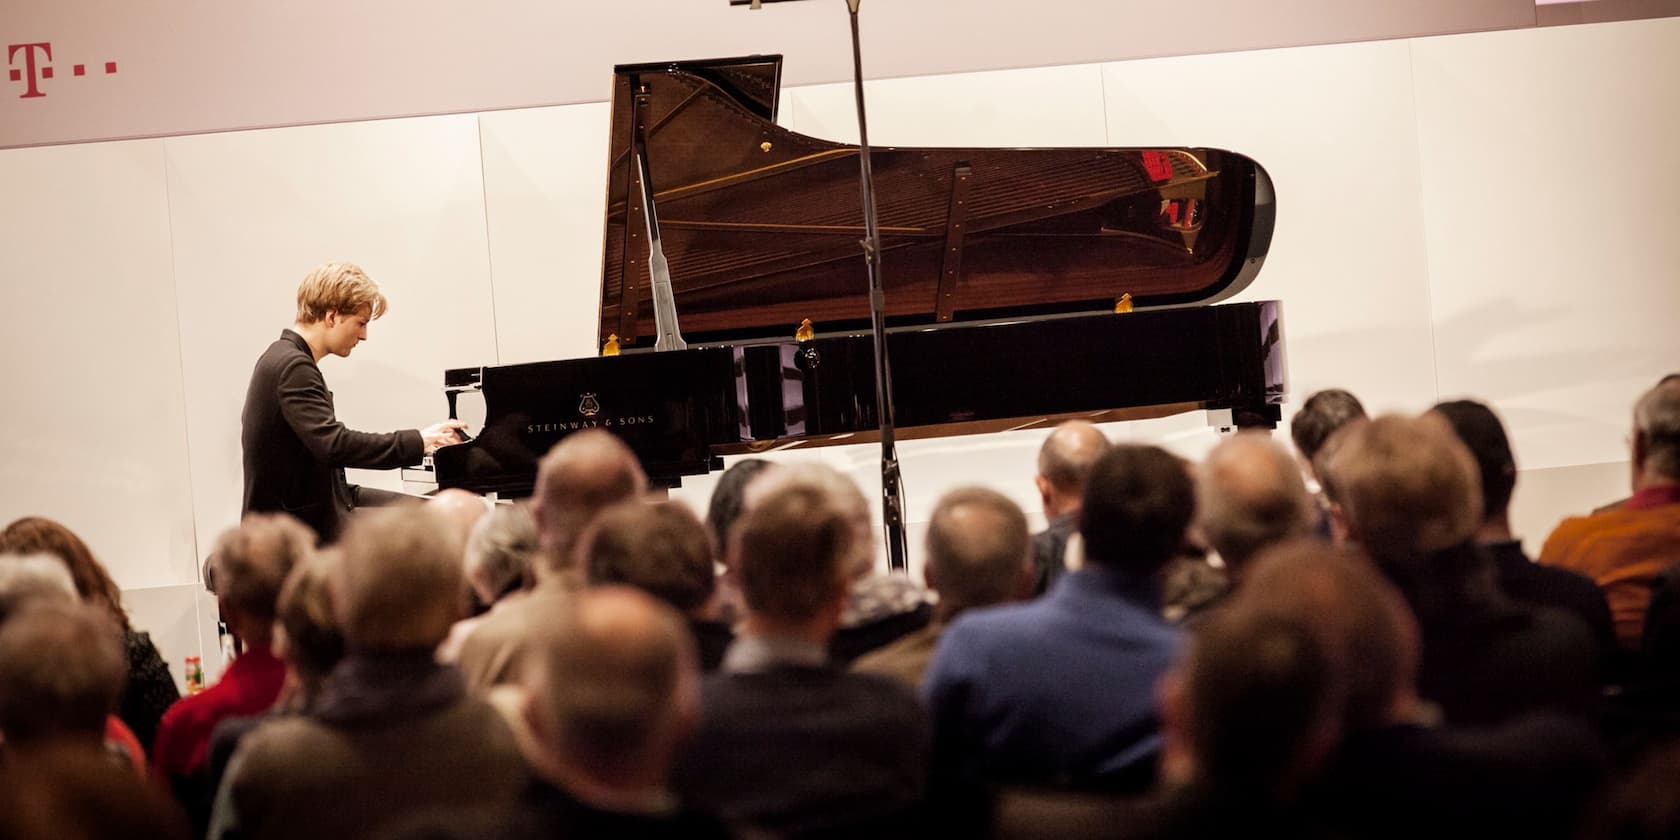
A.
pixel 30 69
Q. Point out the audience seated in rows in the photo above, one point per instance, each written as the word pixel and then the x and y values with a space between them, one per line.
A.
pixel 978 555
pixel 392 733
pixel 1060 690
pixel 1408 493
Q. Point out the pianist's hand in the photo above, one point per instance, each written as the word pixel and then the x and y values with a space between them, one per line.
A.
pixel 441 434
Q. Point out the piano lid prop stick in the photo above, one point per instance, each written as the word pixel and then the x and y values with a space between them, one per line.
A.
pixel 892 489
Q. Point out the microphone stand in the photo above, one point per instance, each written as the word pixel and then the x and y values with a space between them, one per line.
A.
pixel 892 489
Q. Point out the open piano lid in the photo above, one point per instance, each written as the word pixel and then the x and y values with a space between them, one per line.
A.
pixel 761 225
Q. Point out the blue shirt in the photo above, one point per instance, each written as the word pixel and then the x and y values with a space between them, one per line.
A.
pixel 1060 690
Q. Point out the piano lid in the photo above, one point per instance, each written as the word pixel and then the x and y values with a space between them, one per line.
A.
pixel 761 225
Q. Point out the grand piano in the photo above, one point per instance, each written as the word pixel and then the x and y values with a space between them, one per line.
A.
pixel 1022 286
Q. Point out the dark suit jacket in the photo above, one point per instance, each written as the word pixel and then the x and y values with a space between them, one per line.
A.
pixel 295 448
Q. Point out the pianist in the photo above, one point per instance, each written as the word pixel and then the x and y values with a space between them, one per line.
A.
pixel 295 450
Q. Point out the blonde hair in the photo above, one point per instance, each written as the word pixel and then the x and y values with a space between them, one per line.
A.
pixel 337 287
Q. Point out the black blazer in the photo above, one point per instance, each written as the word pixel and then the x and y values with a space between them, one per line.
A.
pixel 295 448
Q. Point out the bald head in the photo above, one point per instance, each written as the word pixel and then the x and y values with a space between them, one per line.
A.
pixel 584 473
pixel 615 691
pixel 1064 464
pixel 1249 494
pixel 978 550
pixel 460 508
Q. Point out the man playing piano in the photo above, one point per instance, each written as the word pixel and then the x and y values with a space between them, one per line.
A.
pixel 295 450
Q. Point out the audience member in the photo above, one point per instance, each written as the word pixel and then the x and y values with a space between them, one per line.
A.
pixel 1321 415
pixel 1479 429
pixel 462 509
pixel 880 608
pixel 150 689
pixel 978 554
pixel 392 732
pixel 497 566
pixel 62 668
pixel 1624 549
pixel 614 697
pixel 663 550
pixel 1249 495
pixel 728 501
pixel 251 563
pixel 1250 715
pixel 583 474
pixel 307 639
pixel 1407 491
pixel 1083 659
pixel 790 743
pixel 1064 463
pixel 1395 775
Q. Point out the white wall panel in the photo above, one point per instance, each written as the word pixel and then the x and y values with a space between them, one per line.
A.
pixel 1334 127
pixel 1047 106
pixel 93 432
pixel 545 187
pixel 255 211
pixel 1550 184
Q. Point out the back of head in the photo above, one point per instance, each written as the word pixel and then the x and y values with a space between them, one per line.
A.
pixel 251 563
pixel 1138 503
pixel 1407 488
pixel 792 550
pixel 32 578
pixel 1656 423
pixel 843 496
pixel 1263 701
pixel 977 549
pixel 616 684
pixel 1249 495
pixel 1066 458
pixel 62 667
pixel 499 551
pixel 583 474
pixel 37 534
pixel 1321 416
pixel 397 586
pixel 337 287
pixel 661 549
pixel 76 792
pixel 1479 429
pixel 1363 624
pixel 313 644
pixel 729 498
pixel 461 508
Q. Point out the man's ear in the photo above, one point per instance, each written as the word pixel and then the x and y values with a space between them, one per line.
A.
pixel 1045 491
